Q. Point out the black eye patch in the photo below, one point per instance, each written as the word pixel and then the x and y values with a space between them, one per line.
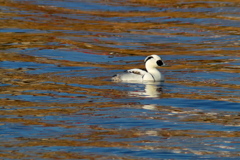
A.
pixel 159 63
pixel 150 57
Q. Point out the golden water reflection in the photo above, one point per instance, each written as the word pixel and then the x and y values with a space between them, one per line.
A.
pixel 58 103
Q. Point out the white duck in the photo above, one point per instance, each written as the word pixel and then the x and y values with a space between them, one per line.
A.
pixel 150 74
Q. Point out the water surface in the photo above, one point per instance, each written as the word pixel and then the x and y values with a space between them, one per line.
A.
pixel 57 100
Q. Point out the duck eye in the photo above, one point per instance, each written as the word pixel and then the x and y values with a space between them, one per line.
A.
pixel 159 63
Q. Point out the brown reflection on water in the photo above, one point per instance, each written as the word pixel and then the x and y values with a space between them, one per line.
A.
pixel 46 18
pixel 53 28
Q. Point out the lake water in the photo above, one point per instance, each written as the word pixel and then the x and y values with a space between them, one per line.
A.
pixel 57 99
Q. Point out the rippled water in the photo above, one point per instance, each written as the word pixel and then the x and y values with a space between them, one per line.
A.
pixel 57 99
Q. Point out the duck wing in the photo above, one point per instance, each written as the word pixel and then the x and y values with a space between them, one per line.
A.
pixel 137 71
pixel 130 75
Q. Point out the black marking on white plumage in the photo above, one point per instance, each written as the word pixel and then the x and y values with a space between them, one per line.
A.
pixel 149 57
pixel 160 63
pixel 135 72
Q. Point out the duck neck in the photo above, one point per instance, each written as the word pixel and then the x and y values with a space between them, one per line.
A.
pixel 151 70
pixel 155 73
pixel 157 76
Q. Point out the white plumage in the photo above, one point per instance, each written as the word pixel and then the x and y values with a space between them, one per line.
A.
pixel 150 74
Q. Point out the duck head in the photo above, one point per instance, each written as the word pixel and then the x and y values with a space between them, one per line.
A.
pixel 153 61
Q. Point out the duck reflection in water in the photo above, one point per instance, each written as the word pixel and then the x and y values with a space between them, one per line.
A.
pixel 151 90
